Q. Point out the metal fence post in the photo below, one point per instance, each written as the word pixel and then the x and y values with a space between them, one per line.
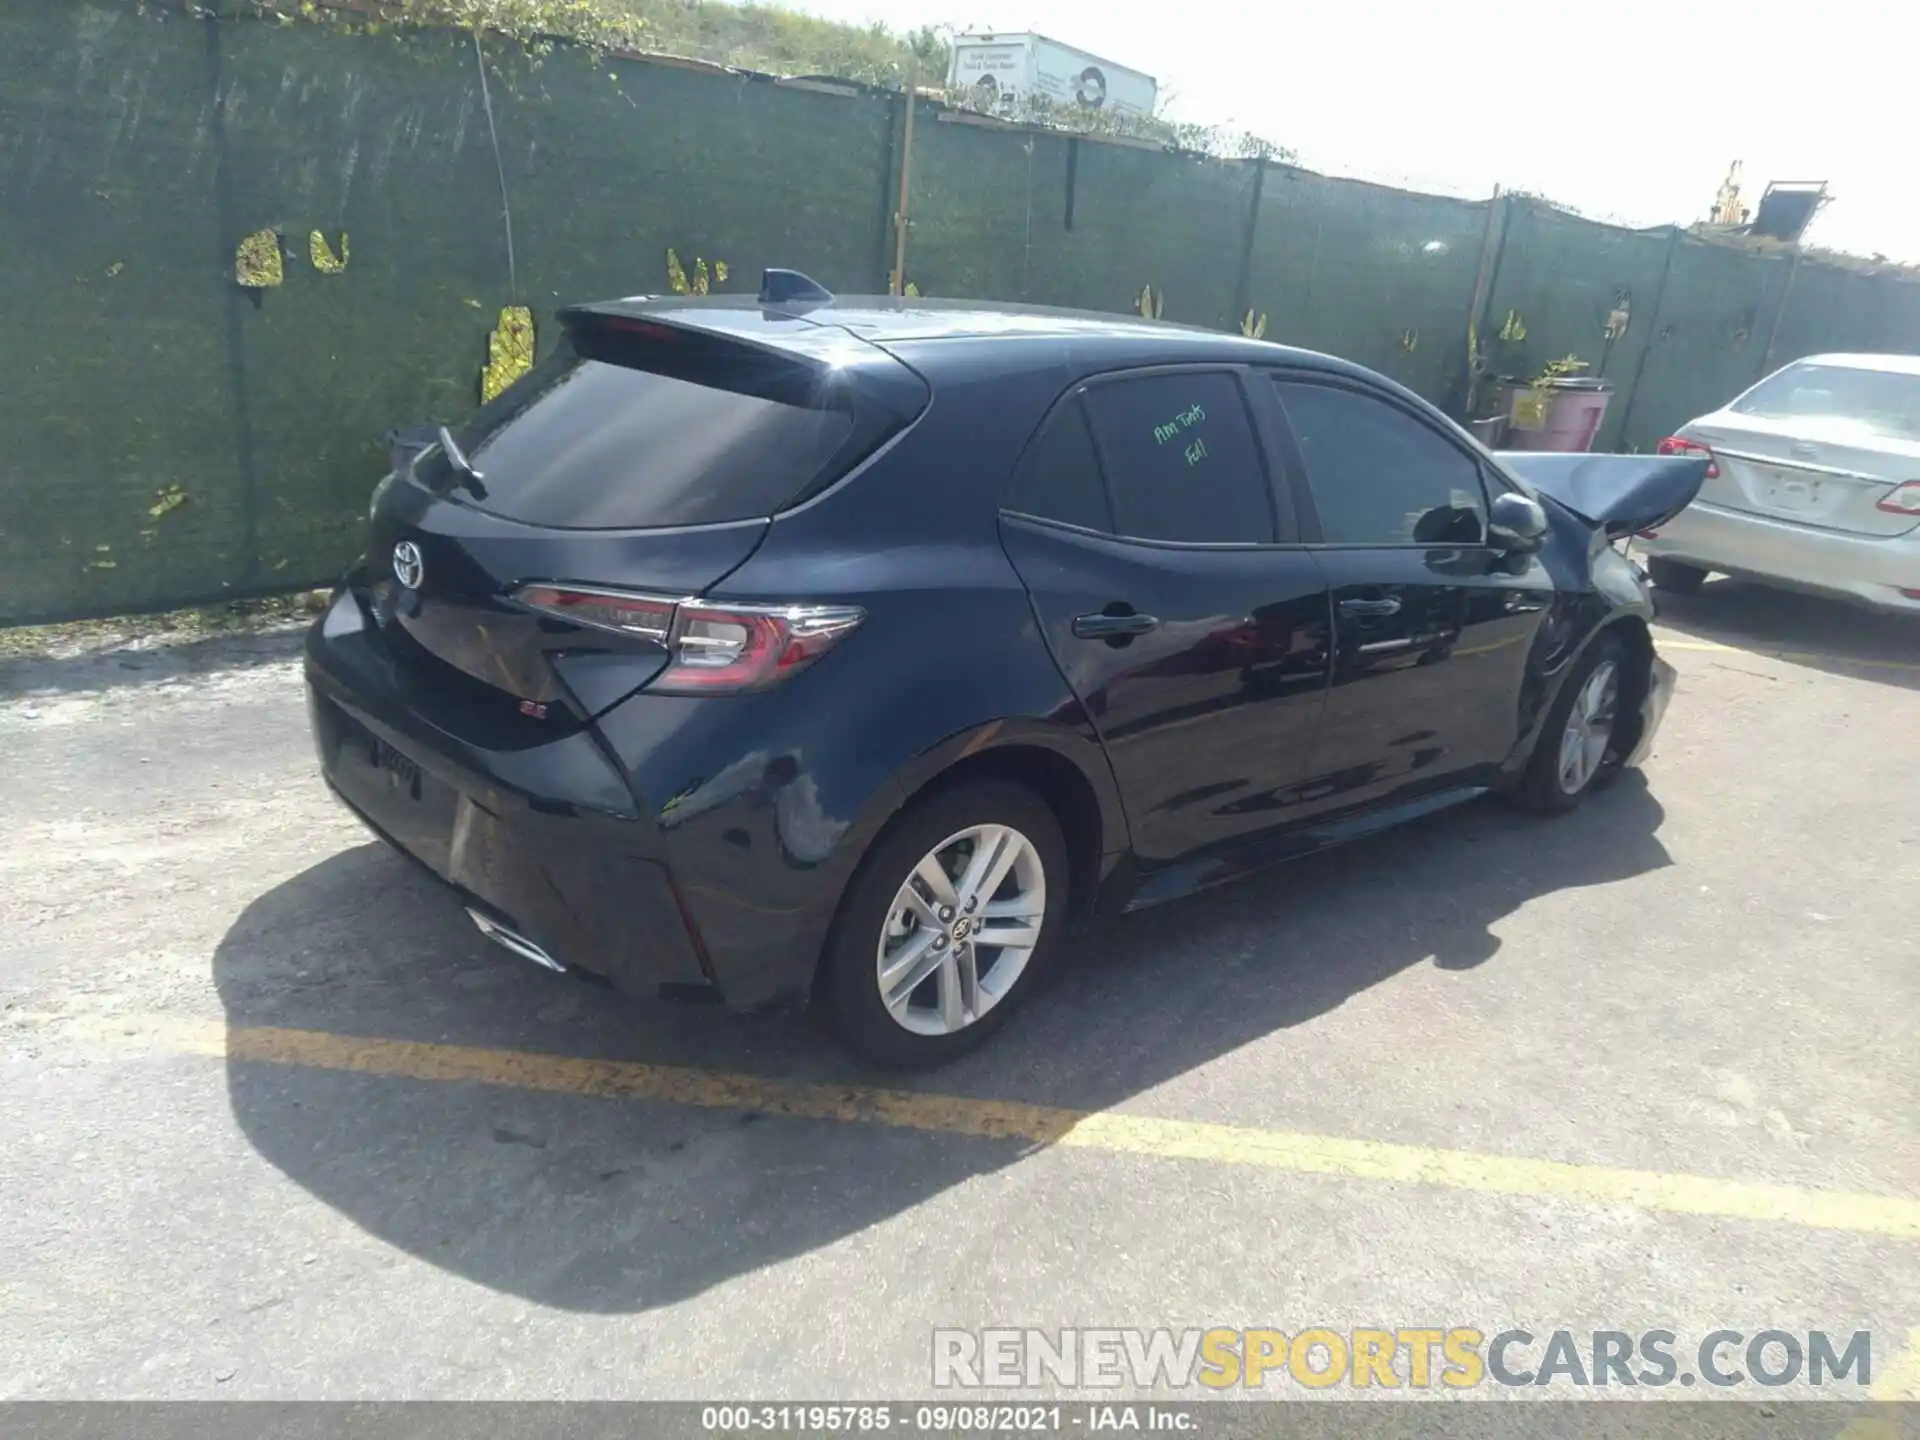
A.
pixel 1773 330
pixel 1493 247
pixel 1653 336
pixel 1243 285
pixel 889 166
pixel 227 207
pixel 898 285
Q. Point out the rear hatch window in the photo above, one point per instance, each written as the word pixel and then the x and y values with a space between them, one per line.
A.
pixel 639 455
pixel 631 425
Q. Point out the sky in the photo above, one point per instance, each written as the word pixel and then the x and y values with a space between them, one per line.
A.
pixel 1626 110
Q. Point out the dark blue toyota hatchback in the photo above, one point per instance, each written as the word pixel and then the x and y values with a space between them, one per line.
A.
pixel 847 651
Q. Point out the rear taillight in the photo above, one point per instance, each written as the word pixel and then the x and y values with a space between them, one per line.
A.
pixel 748 647
pixel 1677 445
pixel 1902 500
pixel 646 616
pixel 715 648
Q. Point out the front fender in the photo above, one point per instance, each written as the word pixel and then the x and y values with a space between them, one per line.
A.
pixel 1652 687
pixel 1616 595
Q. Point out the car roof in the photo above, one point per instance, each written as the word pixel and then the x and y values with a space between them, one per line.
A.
pixel 926 326
pixel 1893 364
pixel 893 317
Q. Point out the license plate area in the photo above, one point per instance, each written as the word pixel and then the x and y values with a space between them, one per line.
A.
pixel 1793 493
pixel 405 802
pixel 400 772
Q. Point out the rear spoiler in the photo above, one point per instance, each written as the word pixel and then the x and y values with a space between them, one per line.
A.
pixel 1615 493
pixel 777 354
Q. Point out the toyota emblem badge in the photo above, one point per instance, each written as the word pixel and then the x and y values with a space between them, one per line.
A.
pixel 408 568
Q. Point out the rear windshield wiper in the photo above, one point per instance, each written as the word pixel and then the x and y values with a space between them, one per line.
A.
pixel 461 465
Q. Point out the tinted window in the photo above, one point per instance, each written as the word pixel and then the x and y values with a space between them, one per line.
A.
pixel 1180 459
pixel 1059 479
pixel 1380 477
pixel 612 442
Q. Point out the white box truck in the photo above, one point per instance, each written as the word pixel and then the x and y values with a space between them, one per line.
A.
pixel 1022 76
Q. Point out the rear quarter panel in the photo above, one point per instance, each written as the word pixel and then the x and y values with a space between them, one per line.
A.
pixel 768 802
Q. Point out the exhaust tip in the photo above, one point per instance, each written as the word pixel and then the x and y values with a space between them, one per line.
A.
pixel 513 940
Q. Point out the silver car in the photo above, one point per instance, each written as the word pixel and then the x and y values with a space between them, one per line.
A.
pixel 1814 485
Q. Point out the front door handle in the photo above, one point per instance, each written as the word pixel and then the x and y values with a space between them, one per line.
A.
pixel 1358 609
pixel 1111 627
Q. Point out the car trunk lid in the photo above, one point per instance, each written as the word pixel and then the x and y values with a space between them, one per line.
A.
pixel 1826 472
pixel 646 454
pixel 459 612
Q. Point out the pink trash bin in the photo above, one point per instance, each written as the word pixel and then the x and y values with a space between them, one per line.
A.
pixel 1574 416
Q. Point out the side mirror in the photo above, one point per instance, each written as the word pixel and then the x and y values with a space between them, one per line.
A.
pixel 1517 524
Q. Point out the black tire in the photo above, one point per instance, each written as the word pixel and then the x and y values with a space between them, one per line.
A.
pixel 1675 575
pixel 851 987
pixel 1542 789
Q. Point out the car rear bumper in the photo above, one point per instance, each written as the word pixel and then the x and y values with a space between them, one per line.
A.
pixel 564 880
pixel 545 841
pixel 1870 568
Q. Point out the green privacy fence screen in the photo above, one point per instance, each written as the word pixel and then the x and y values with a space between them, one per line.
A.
pixel 171 437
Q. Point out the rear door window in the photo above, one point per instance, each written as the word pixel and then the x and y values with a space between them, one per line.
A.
pixel 1379 476
pixel 610 435
pixel 1180 458
pixel 1059 477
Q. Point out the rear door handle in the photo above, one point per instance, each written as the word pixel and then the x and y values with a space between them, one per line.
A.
pixel 1109 627
pixel 1356 609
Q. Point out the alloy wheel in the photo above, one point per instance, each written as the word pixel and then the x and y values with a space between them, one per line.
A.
pixel 961 929
pixel 1589 730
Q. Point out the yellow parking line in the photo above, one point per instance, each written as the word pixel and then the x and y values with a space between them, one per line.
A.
pixel 1707 645
pixel 1804 656
pixel 1153 1137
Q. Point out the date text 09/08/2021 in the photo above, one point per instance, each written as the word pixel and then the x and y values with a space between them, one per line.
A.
pixel 944 1419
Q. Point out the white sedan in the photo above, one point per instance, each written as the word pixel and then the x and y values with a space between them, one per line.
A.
pixel 1814 485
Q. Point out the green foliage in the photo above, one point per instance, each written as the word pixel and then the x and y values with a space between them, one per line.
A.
pixel 762 37
pixel 1531 405
pixel 752 37
pixel 1213 140
pixel 1217 140
pixel 1560 369
pixel 596 23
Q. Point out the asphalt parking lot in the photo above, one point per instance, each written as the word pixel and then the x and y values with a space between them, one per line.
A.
pixel 278 1123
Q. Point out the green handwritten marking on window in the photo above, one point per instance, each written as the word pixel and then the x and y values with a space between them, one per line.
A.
pixel 1196 452
pixel 1185 420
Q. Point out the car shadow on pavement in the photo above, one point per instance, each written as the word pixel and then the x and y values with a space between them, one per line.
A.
pixel 1811 630
pixel 622 1205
